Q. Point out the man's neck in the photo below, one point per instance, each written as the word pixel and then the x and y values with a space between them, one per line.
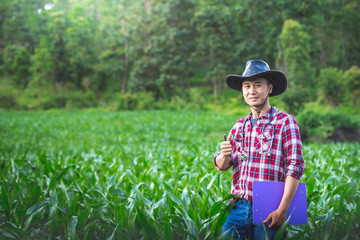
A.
pixel 260 111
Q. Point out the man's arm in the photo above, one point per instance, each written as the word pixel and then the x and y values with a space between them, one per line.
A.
pixel 295 168
pixel 278 217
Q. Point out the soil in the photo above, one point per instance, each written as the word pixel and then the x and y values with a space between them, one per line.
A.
pixel 346 135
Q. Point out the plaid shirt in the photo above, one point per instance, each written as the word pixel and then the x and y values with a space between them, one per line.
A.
pixel 272 154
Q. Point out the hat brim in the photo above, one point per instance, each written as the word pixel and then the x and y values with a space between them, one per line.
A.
pixel 277 78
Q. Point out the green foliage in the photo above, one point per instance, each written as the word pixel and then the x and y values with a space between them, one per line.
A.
pixel 295 98
pixel 332 84
pixel 140 174
pixel 20 68
pixel 53 102
pixel 294 58
pixel 319 126
pixel 137 101
pixel 213 22
pixel 352 80
pixel 42 69
pixel 17 61
pixel 168 47
pixel 107 72
pixel 295 55
pixel 56 29
pixel 8 98
pixel 9 57
pixel 78 100
pixel 331 185
pixel 79 47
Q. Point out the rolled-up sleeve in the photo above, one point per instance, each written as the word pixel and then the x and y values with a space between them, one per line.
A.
pixel 292 148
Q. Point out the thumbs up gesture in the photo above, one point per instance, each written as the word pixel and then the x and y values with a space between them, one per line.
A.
pixel 226 147
pixel 223 160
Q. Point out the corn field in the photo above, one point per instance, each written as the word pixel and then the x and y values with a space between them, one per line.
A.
pixel 147 175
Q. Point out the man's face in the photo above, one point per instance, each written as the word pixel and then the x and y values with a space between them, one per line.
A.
pixel 256 91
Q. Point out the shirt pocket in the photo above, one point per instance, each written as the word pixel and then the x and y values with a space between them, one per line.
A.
pixel 264 143
pixel 237 147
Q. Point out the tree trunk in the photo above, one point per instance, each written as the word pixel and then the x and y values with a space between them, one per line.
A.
pixel 39 90
pixel 220 86
pixel 97 13
pixel 215 86
pixel 126 56
pixel 215 81
pixel 126 66
pixel 151 70
pixel 182 79
pixel 182 76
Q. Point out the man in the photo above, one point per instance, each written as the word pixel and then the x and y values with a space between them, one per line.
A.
pixel 263 146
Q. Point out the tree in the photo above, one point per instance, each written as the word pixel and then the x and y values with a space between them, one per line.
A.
pixel 57 39
pixel 79 48
pixel 352 80
pixel 43 68
pixel 17 61
pixel 294 59
pixel 332 85
pixel 213 20
pixel 21 22
pixel 148 47
pixel 180 54
pixel 113 39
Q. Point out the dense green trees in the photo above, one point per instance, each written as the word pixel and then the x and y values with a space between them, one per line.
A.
pixel 109 47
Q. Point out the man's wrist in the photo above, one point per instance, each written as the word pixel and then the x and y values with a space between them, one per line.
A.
pixel 224 160
pixel 283 209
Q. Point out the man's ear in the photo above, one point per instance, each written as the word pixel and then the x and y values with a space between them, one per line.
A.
pixel 270 88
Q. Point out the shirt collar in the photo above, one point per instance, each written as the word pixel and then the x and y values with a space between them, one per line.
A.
pixel 266 116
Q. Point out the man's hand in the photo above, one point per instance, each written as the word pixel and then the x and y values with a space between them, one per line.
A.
pixel 277 218
pixel 226 147
pixel 223 161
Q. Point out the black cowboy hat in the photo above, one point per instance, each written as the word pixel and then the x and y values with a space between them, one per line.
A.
pixel 259 69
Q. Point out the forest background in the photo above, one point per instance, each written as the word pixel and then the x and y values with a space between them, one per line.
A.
pixel 154 54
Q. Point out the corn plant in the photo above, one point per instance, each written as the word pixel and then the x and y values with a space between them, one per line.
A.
pixel 147 175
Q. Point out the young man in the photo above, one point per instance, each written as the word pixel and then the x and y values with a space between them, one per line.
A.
pixel 263 146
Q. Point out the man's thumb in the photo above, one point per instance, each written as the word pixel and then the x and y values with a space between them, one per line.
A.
pixel 229 137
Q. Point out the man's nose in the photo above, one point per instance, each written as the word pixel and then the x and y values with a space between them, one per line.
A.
pixel 252 90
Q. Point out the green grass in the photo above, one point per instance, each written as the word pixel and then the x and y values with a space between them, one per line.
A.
pixel 146 174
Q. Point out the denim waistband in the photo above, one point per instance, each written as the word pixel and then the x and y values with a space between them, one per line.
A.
pixel 241 200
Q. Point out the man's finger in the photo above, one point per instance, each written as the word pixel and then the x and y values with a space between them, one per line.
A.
pixel 225 145
pixel 226 153
pixel 272 224
pixel 229 137
pixel 267 219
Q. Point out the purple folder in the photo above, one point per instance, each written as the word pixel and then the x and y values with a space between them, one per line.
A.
pixel 267 197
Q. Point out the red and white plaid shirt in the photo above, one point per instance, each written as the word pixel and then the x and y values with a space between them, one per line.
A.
pixel 271 155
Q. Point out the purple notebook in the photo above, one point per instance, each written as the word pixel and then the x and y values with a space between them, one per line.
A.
pixel 267 197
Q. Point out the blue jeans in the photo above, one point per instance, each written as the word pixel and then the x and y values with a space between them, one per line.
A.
pixel 239 222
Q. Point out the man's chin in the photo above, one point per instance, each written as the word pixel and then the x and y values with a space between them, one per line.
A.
pixel 254 105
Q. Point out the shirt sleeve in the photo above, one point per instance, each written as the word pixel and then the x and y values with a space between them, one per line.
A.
pixel 292 148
